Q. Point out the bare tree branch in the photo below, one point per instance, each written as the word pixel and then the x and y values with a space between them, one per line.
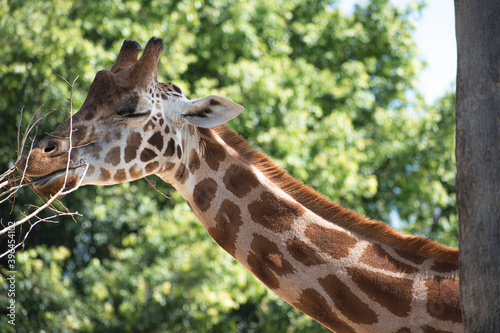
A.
pixel 12 180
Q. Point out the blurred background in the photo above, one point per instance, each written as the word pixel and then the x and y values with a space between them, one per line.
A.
pixel 331 93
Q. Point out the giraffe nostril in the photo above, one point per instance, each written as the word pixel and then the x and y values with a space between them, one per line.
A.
pixel 50 148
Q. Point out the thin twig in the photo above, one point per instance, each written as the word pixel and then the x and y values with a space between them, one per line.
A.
pixel 21 243
pixel 154 186
pixel 17 182
pixel 41 208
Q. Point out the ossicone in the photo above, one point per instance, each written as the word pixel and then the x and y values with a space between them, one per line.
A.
pixel 127 56
pixel 144 70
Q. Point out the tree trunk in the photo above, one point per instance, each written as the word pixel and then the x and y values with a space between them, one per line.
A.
pixel 478 161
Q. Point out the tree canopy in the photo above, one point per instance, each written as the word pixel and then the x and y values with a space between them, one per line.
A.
pixel 330 97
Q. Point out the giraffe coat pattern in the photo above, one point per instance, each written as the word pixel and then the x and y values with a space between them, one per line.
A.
pixel 349 273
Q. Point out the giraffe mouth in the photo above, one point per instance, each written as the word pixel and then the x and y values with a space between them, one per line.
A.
pixel 45 180
pixel 66 179
pixel 57 183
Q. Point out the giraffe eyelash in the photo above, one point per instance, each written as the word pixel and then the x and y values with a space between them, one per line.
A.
pixel 136 115
pixel 128 112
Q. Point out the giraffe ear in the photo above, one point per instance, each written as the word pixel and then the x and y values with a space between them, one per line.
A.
pixel 211 111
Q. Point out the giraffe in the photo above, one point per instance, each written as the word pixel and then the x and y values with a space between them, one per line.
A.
pixel 348 272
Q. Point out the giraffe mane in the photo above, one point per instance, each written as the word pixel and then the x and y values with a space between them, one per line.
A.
pixel 333 212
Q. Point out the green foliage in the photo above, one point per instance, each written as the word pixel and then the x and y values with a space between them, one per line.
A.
pixel 330 97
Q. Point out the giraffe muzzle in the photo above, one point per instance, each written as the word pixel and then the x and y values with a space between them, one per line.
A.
pixel 49 161
pixel 48 156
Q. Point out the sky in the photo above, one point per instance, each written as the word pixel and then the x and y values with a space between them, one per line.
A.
pixel 435 38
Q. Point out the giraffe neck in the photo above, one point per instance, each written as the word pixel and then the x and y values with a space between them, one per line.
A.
pixel 317 259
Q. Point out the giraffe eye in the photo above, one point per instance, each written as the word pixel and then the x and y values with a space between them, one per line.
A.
pixel 130 112
pixel 138 114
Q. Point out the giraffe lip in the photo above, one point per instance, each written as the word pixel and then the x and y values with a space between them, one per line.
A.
pixel 58 183
pixel 44 180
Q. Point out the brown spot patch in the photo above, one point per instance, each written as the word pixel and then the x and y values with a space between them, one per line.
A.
pixel 227 224
pixel 135 171
pixel 277 215
pixel 313 304
pixel 170 151
pixel 194 161
pixel 266 261
pixel 443 299
pixel 182 174
pixel 414 258
pixel 166 129
pixel 105 174
pixel 303 253
pixel 204 192
pixel 107 137
pixel 147 155
pixel 239 180
pixel 177 89
pixel 429 329
pixel 212 152
pixel 96 151
pixel 191 129
pixel 113 156
pixel 164 97
pixel 168 166
pixel 444 267
pixel 89 115
pixel 79 134
pixel 149 126
pixel 377 257
pixel 90 170
pixel 347 302
pixel 134 141
pixel 393 293
pixel 120 175
pixel 332 242
pixel 156 140
pixel 179 152
pixel 404 330
pixel 150 167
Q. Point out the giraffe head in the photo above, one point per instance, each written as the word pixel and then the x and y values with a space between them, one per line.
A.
pixel 129 126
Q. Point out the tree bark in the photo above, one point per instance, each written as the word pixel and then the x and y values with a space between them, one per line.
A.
pixel 478 161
